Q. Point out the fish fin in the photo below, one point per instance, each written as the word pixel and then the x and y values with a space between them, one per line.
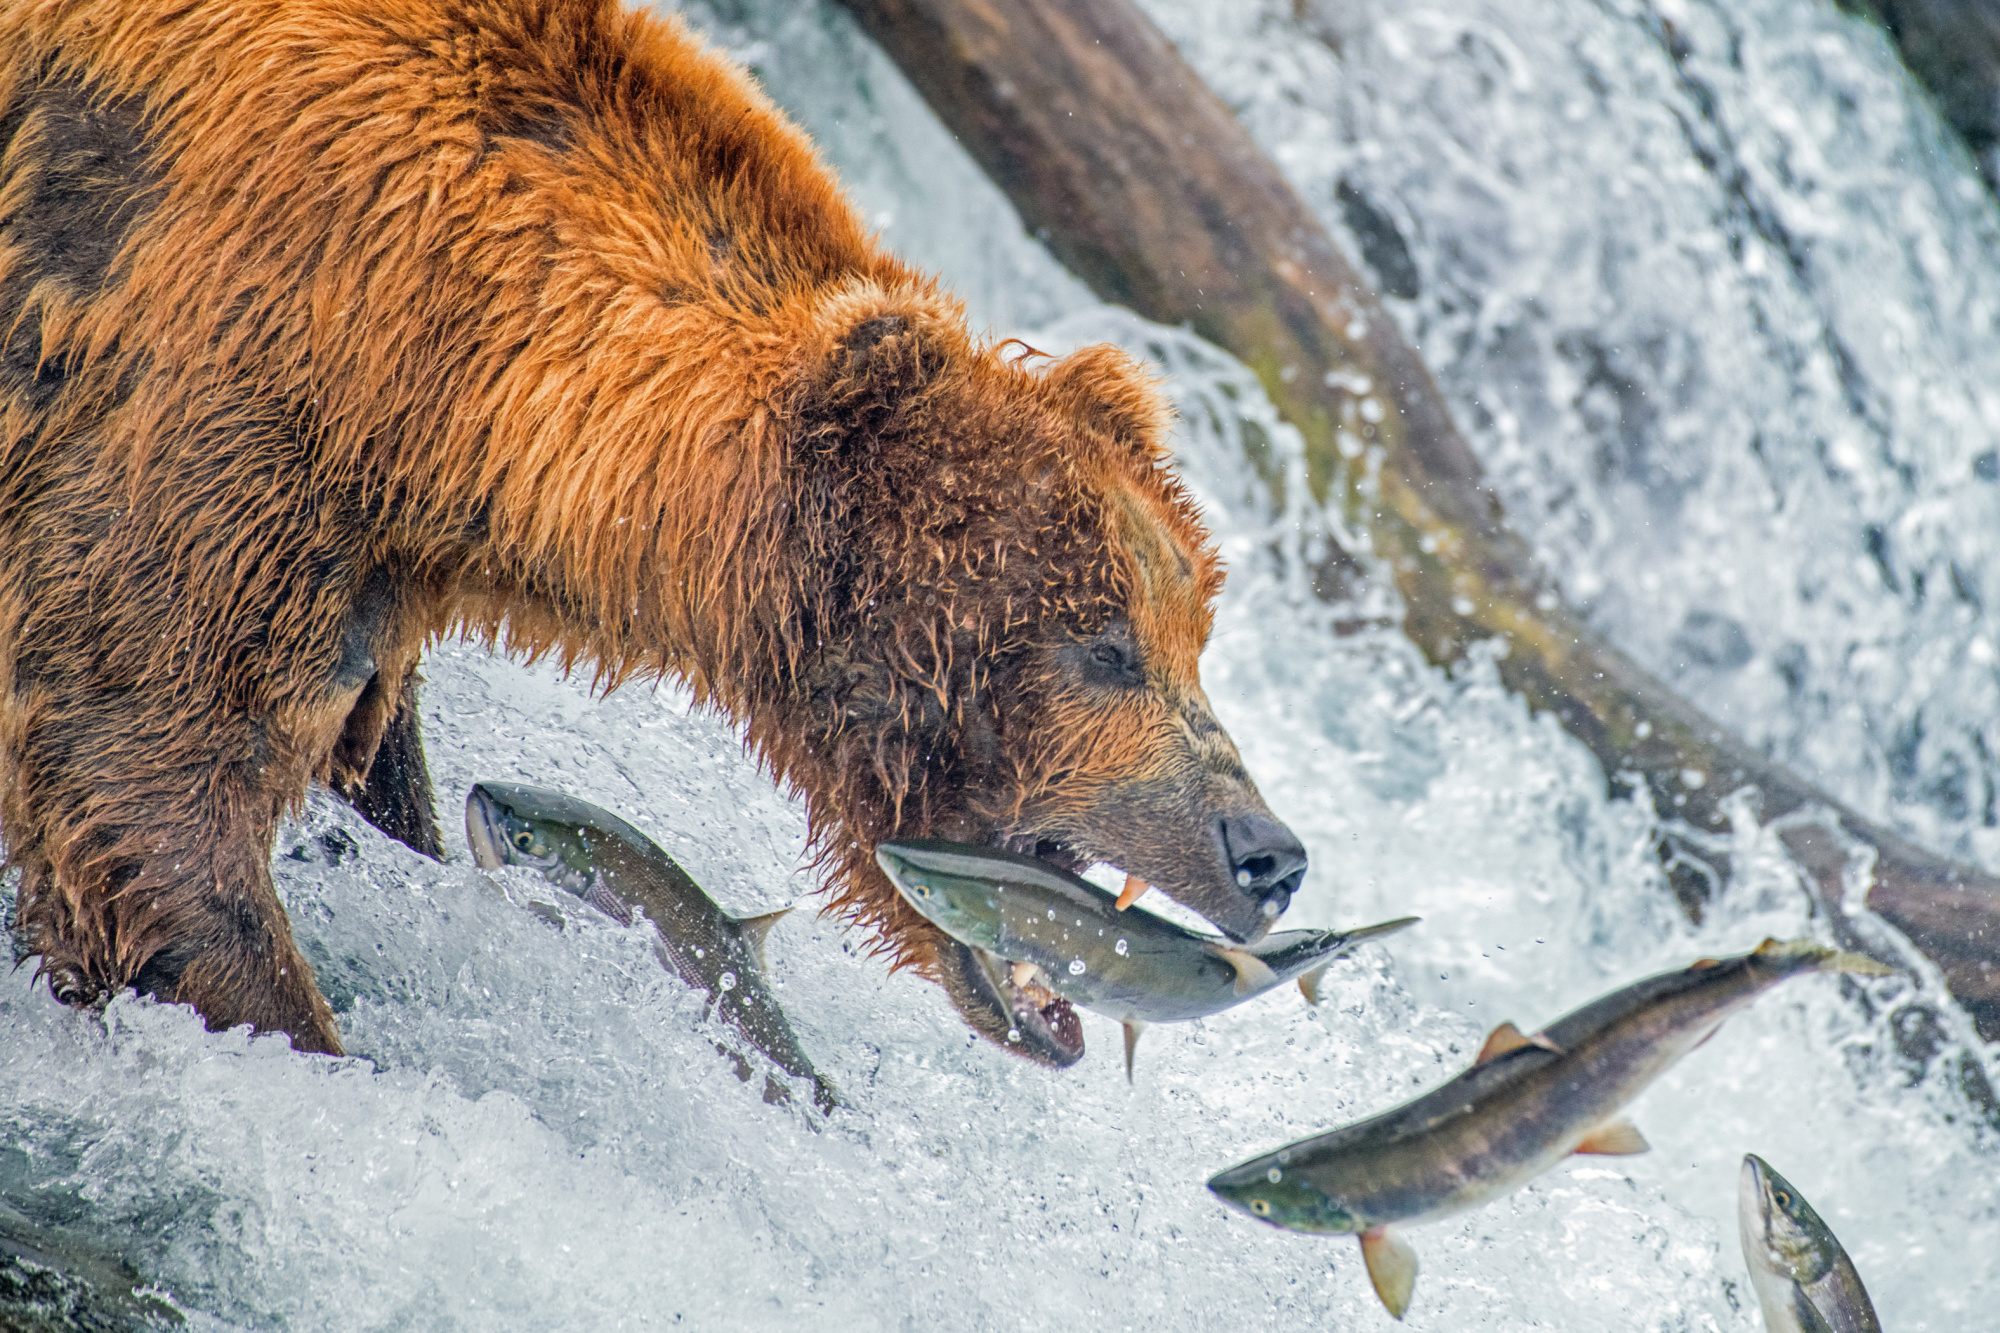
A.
pixel 1618 1138
pixel 1499 1041
pixel 600 896
pixel 1822 958
pixel 1392 1267
pixel 755 928
pixel 1252 973
pixel 1135 888
pixel 1309 985
pixel 1133 1027
pixel 1703 964
pixel 1839 960
pixel 1381 928
pixel 1507 1038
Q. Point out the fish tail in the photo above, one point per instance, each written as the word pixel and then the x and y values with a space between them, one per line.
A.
pixel 1821 958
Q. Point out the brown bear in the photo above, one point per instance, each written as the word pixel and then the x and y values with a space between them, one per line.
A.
pixel 329 328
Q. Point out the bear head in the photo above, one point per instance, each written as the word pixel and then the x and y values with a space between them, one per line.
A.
pixel 997 639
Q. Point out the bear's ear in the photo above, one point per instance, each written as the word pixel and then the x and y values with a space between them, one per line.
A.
pixel 1102 388
pixel 878 353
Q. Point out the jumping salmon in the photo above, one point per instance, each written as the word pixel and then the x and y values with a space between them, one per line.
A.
pixel 1064 935
pixel 1803 1279
pixel 592 853
pixel 1526 1103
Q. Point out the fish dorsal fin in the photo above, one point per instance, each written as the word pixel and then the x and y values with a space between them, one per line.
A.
pixel 1252 973
pixel 1703 964
pixel 1507 1038
pixel 1392 1267
pixel 1133 1027
pixel 1309 984
pixel 1499 1041
pixel 755 928
pixel 1616 1138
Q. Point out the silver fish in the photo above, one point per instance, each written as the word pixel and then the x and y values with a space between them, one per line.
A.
pixel 1055 932
pixel 1803 1279
pixel 1526 1104
pixel 592 853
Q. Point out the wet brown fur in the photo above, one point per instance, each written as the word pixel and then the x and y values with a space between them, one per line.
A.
pixel 328 328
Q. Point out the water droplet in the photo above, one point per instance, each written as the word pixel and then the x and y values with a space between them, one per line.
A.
pixel 1013 1034
pixel 1123 948
pixel 1270 907
pixel 728 981
pixel 701 953
pixel 1052 914
pixel 1076 967
pixel 1242 879
pixel 1274 1175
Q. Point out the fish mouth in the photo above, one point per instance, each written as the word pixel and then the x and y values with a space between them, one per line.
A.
pixel 483 833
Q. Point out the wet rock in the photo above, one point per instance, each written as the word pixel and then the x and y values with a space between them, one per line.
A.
pixel 1383 248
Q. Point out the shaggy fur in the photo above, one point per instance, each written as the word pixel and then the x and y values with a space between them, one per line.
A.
pixel 327 328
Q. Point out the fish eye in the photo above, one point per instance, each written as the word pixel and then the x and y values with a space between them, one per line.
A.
pixel 1784 1199
pixel 524 840
pixel 923 890
pixel 1261 1207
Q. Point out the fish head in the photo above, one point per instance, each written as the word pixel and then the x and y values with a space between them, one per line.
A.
pixel 507 825
pixel 1781 1232
pixel 963 904
pixel 1269 1189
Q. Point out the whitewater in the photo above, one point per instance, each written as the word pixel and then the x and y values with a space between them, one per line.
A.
pixel 1715 298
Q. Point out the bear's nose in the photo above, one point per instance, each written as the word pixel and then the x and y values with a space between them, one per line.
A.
pixel 1266 860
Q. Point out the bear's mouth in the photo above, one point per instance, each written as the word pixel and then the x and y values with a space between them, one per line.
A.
pixel 1044 1026
pixel 1041 1024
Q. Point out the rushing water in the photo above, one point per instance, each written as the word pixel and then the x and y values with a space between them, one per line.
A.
pixel 1715 300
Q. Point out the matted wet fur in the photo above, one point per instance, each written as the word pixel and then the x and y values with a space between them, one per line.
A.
pixel 326 329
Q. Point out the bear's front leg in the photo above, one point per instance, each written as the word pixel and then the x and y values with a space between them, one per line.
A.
pixel 145 853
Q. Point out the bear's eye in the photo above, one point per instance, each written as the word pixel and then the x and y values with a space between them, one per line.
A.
pixel 1107 659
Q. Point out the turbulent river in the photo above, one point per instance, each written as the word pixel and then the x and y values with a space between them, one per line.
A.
pixel 1716 299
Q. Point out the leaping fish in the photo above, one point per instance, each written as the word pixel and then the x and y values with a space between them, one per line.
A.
pixel 1803 1279
pixel 1526 1103
pixel 1047 930
pixel 592 853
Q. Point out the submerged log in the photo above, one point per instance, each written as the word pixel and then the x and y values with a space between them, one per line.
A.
pixel 1143 183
